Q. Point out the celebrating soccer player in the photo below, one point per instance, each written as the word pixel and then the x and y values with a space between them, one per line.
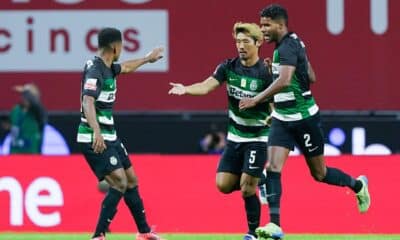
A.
pixel 243 160
pixel 295 119
pixel 97 138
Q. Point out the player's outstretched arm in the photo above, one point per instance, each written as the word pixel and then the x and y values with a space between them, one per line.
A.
pixel 153 56
pixel 201 88
pixel 285 75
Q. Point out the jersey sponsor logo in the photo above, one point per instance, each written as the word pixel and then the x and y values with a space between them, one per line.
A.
pixel 111 96
pixel 90 84
pixel 106 96
pixel 234 92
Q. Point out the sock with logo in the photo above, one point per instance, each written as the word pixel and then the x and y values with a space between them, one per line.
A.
pixel 135 205
pixel 336 177
pixel 274 193
pixel 253 208
pixel 108 211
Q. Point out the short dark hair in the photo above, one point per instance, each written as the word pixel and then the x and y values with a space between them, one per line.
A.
pixel 275 12
pixel 107 36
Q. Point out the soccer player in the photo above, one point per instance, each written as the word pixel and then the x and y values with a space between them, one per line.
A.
pixel 244 157
pixel 295 119
pixel 97 138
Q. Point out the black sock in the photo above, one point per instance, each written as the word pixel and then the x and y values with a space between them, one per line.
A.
pixel 336 177
pixel 274 193
pixel 135 205
pixel 108 210
pixel 253 208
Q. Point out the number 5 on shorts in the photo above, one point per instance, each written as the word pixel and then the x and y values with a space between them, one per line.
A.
pixel 252 158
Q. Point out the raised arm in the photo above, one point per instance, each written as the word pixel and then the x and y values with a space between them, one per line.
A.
pixel 200 88
pixel 132 65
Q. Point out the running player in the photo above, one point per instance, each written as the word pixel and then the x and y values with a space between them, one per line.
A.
pixel 295 119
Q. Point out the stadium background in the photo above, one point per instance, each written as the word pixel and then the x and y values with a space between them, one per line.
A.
pixel 354 57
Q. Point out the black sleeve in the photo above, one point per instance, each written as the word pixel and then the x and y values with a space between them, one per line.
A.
pixel 36 108
pixel 288 53
pixel 116 68
pixel 220 72
pixel 92 82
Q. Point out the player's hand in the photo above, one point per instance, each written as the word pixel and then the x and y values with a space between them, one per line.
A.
pixel 98 144
pixel 18 88
pixel 268 120
pixel 177 89
pixel 246 103
pixel 155 54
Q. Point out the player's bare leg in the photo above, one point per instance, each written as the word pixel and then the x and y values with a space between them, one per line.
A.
pixel 227 182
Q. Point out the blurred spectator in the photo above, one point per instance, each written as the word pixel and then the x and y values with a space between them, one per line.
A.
pixel 213 142
pixel 5 127
pixel 28 119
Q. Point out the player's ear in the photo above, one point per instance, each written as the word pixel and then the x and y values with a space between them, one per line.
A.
pixel 258 43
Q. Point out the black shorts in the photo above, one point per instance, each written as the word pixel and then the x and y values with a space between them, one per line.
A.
pixel 114 157
pixel 306 134
pixel 246 157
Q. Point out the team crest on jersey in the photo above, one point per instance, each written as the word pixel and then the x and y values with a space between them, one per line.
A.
pixel 113 160
pixel 253 85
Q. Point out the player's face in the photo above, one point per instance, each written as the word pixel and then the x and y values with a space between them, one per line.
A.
pixel 246 46
pixel 270 29
pixel 117 50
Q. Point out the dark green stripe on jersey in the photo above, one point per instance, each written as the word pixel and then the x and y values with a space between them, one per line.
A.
pixel 294 102
pixel 245 82
pixel 99 81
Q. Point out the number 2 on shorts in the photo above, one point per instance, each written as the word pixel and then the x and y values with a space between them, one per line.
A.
pixel 307 139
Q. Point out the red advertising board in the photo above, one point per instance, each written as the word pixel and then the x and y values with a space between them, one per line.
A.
pixel 58 194
pixel 351 44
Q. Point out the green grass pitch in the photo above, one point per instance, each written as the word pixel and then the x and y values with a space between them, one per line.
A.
pixel 51 236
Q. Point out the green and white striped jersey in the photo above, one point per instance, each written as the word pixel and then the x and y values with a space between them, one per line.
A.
pixel 294 102
pixel 99 81
pixel 248 125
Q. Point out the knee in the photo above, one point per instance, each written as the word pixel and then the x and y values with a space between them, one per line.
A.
pixel 318 175
pixel 248 190
pixel 224 188
pixel 120 184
